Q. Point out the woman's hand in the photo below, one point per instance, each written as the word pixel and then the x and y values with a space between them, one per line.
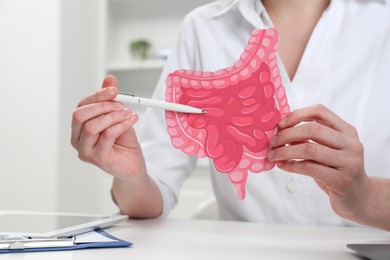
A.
pixel 103 135
pixel 314 141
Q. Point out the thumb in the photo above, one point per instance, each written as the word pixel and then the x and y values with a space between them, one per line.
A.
pixel 110 81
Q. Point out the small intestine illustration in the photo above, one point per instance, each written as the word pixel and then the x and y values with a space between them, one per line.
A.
pixel 243 105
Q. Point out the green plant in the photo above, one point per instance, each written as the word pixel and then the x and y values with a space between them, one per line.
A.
pixel 140 49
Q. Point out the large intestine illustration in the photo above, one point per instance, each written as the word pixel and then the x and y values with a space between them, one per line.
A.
pixel 243 105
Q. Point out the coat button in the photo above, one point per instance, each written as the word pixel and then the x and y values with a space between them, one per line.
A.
pixel 291 187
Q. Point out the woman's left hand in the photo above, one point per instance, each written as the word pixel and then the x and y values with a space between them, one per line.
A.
pixel 314 141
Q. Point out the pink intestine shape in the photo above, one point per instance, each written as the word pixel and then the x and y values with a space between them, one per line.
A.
pixel 243 105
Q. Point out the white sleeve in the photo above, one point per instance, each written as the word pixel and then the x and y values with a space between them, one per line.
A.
pixel 168 166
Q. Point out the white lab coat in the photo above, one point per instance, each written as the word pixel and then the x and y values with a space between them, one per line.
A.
pixel 346 66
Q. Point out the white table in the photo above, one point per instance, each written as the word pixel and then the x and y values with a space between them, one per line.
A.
pixel 202 239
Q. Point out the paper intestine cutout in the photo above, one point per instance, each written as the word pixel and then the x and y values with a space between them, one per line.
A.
pixel 243 105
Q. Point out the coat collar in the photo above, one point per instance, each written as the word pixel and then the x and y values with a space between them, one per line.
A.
pixel 227 5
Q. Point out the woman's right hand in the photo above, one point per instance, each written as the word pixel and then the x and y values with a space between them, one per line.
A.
pixel 103 134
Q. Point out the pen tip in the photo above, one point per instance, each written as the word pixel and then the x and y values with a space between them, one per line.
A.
pixel 204 112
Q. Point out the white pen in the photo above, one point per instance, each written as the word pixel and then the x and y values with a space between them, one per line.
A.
pixel 129 98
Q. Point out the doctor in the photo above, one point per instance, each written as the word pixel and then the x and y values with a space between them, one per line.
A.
pixel 334 58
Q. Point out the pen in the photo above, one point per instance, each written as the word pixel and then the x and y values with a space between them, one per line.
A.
pixel 26 243
pixel 129 98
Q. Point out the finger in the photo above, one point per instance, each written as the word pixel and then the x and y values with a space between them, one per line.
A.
pixel 108 92
pixel 309 131
pixel 85 113
pixel 109 81
pixel 108 138
pixel 326 175
pixel 93 129
pixel 309 151
pixel 104 94
pixel 318 113
pixel 331 180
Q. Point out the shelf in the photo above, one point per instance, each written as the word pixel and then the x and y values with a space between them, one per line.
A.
pixel 154 20
pixel 136 65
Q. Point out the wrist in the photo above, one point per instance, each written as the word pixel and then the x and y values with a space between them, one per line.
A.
pixel 375 210
pixel 137 196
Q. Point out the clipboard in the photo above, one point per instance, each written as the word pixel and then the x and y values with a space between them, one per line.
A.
pixel 53 224
pixel 58 244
